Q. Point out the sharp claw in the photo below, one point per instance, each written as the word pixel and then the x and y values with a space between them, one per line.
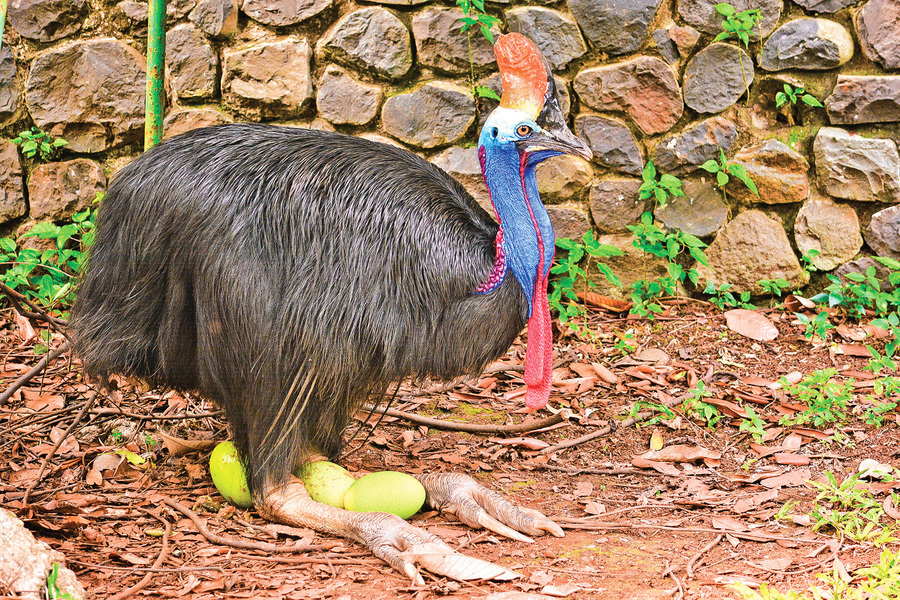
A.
pixel 489 522
pixel 543 523
pixel 413 573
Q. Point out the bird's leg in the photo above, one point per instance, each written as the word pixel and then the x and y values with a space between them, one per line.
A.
pixel 389 537
pixel 477 506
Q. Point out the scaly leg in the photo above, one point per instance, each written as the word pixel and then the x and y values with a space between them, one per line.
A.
pixel 389 537
pixel 477 506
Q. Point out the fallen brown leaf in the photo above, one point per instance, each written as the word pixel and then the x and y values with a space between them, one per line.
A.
pixel 751 324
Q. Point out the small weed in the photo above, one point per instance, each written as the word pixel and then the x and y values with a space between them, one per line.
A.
pixel 723 170
pixel 663 412
pixel 753 424
pixel 737 24
pixel 854 512
pixel 570 276
pixel 791 95
pixel 47 277
pixel 827 400
pixel 818 326
pixel 784 512
pixel 722 298
pixel 776 287
pixel 694 406
pixel 887 388
pixel 625 343
pixel 483 91
pixel 35 142
pixel 475 15
pixel 661 189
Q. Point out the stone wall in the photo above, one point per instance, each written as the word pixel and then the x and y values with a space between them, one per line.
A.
pixel 642 79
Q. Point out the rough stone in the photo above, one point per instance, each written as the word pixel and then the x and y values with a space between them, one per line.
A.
pixel 371 39
pixel 612 143
pixel 685 38
pixel 883 232
pixel 9 89
pixel 830 229
pixel 644 88
pixel 857 168
pixel 631 266
pixel 193 118
pixel 812 44
pixel 716 77
pixel 615 204
pixel 341 99
pixel 192 62
pixel 749 248
pixel 57 190
pixel 436 114
pixel 702 14
pixel 780 174
pixel 878 30
pixel 569 221
pixel 463 165
pixel 99 103
pixel 615 26
pixel 12 190
pixel 861 265
pixel 864 99
pixel 217 18
pixel 666 46
pixel 138 11
pixel 47 20
pixel 555 33
pixel 281 13
pixel 700 212
pixel 403 2
pixel 685 152
pixel 825 6
pixel 563 178
pixel 441 43
pixel 269 79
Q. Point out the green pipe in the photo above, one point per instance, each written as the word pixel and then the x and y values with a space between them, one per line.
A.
pixel 2 20
pixel 156 55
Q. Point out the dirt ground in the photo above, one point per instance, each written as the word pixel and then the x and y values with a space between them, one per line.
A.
pixel 681 523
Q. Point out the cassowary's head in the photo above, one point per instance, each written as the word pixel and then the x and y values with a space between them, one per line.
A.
pixel 527 128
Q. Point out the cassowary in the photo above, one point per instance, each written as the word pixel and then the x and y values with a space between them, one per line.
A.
pixel 290 274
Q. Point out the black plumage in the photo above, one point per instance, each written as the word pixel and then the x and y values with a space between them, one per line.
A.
pixel 289 275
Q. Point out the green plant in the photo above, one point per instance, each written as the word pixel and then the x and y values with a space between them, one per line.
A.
pixel 36 142
pixel 826 399
pixel 776 287
pixel 475 15
pixel 663 412
pixel 723 170
pixel 720 297
pixel 850 509
pixel 662 189
pixel 47 276
pixel 652 239
pixel 818 326
pixel 888 389
pixel 483 91
pixel 786 101
pixel 737 24
pixel 570 275
pixel 753 424
pixel 785 510
pixel 694 406
pixel 53 591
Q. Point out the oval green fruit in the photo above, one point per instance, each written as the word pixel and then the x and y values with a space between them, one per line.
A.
pixel 386 491
pixel 228 475
pixel 326 482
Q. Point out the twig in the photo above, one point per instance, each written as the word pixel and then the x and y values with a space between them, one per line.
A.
pixel 240 544
pixel 15 385
pixel 87 405
pixel 159 560
pixel 469 427
pixel 704 550
pixel 670 572
pixel 585 438
pixel 124 413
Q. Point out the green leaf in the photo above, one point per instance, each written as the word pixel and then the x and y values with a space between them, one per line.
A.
pixel 669 181
pixel 7 244
pixel 483 91
pixel 721 178
pixel 660 195
pixel 780 99
pixel 486 32
pixel 649 172
pixel 725 9
pixel 721 36
pixel 711 166
pixel 811 100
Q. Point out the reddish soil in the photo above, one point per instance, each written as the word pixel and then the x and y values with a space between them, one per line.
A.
pixel 632 531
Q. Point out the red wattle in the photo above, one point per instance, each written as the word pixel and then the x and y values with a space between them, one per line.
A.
pixel 539 350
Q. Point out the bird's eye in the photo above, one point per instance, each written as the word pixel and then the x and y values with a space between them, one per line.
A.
pixel 524 130
pixel 494 132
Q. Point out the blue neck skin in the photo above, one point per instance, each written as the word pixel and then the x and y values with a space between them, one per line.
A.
pixel 528 240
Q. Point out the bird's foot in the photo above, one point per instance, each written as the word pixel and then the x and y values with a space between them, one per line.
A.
pixel 390 538
pixel 477 506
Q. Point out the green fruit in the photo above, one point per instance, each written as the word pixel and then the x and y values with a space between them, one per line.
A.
pixel 326 482
pixel 387 491
pixel 228 475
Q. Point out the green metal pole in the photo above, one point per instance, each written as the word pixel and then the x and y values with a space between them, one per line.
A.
pixel 2 20
pixel 156 55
